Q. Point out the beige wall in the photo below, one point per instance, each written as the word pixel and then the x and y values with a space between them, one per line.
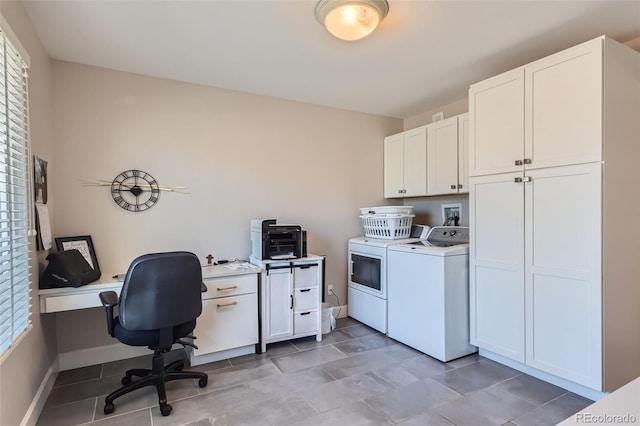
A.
pixel 24 369
pixel 241 156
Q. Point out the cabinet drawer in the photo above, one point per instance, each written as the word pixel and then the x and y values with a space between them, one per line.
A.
pixel 230 286
pixel 305 299
pixel 306 276
pixel 305 322
pixel 227 323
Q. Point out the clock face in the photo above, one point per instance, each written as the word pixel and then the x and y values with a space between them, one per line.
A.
pixel 135 190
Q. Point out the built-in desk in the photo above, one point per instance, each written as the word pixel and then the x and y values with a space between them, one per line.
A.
pixel 227 327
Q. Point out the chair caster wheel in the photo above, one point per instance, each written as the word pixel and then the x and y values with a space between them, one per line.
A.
pixel 126 380
pixel 166 409
pixel 108 408
pixel 202 382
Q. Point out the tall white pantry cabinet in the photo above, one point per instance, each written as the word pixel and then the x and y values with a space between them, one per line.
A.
pixel 555 240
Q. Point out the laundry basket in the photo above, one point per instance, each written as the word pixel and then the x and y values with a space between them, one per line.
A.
pixel 387 222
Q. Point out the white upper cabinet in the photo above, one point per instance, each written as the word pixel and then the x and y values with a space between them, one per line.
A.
pixel 496 124
pixel 442 157
pixel 563 107
pixel 405 164
pixel 546 113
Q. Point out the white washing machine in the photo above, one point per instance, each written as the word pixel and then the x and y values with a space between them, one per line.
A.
pixel 428 293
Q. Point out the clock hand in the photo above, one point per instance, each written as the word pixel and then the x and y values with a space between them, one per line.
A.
pixel 178 189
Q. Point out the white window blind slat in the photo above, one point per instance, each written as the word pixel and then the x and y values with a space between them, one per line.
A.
pixel 15 196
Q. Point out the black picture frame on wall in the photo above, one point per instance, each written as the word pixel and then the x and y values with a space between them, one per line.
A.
pixel 82 243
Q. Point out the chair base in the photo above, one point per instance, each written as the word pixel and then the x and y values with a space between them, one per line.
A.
pixel 157 376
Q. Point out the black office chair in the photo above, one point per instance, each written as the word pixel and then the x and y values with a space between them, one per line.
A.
pixel 158 306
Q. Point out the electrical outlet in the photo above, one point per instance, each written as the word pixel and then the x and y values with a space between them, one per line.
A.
pixel 330 289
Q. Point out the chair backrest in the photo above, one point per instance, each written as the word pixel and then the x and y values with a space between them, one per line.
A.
pixel 161 290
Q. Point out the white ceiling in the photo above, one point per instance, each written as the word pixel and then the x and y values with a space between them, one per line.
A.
pixel 423 55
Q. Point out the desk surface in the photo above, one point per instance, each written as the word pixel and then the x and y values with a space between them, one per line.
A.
pixel 72 298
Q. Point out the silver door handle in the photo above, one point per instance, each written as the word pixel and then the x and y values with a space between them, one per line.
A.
pixel 517 180
pixel 527 161
pixel 227 288
pixel 222 305
pixel 518 162
pixel 527 179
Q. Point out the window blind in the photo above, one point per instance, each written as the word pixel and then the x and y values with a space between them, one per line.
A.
pixel 15 196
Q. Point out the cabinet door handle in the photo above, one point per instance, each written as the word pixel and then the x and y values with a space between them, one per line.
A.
pixel 222 305
pixel 306 290
pixel 459 186
pixel 527 161
pixel 305 313
pixel 453 186
pixel 227 288
pixel 291 307
pixel 517 180
pixel 518 162
pixel 399 191
pixel 527 179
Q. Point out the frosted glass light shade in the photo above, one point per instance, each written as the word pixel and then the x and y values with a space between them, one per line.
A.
pixel 351 19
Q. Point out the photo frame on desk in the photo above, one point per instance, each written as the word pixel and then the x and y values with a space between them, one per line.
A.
pixel 82 243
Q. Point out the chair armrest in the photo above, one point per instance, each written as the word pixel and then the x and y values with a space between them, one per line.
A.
pixel 203 288
pixel 109 299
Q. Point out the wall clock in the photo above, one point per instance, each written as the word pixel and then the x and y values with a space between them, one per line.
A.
pixel 135 190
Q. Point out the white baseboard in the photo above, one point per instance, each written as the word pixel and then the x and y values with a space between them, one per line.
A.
pixel 31 416
pixel 98 355
pixel 550 378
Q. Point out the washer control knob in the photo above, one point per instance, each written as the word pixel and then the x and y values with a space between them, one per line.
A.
pixel 452 233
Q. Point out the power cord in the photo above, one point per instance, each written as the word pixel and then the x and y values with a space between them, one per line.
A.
pixel 338 300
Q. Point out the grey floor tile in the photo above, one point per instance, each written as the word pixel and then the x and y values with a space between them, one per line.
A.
pixel 464 360
pixel 352 414
pixel 291 382
pixel 307 359
pixel 242 374
pixel 136 418
pixel 412 400
pixel 336 394
pixel 476 376
pixel 531 389
pixel 202 422
pixel 487 407
pixel 273 349
pixel 76 375
pixel 430 418
pixel 364 344
pixel 148 397
pixel 358 330
pixel 83 390
pixel 346 322
pixel 327 339
pixel 212 404
pixel 68 414
pixel 553 412
pixel 211 366
pixel 287 411
pixel 361 363
pixel 118 368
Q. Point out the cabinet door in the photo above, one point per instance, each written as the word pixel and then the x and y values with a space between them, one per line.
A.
pixel 227 323
pixel 415 162
pixel 442 157
pixel 279 306
pixel 496 124
pixel 496 264
pixel 564 107
pixel 463 153
pixel 563 272
pixel 394 166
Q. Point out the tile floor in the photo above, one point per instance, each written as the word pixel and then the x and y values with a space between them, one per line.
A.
pixel 355 376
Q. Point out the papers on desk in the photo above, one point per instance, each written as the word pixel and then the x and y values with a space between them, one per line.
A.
pixel 239 265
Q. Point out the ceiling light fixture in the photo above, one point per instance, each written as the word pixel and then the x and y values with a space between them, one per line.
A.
pixel 351 19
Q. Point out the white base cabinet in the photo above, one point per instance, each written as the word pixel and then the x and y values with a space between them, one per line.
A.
pixel 554 254
pixel 228 325
pixel 291 298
